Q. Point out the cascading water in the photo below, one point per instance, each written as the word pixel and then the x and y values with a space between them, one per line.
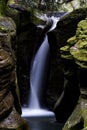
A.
pixel 37 80
pixel 38 77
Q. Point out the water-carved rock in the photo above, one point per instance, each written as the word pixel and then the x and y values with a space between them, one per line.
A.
pixel 10 108
pixel 26 42
pixel 66 28
pixel 77 48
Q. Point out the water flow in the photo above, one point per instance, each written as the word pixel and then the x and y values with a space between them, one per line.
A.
pixel 38 78
pixel 38 75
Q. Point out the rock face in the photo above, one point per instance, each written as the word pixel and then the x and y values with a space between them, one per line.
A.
pixel 13 121
pixel 27 41
pixel 10 108
pixel 29 38
pixel 24 47
pixel 77 49
pixel 66 28
pixel 8 96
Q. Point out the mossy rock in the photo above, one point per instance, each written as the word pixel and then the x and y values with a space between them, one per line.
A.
pixel 82 24
pixel 65 51
pixel 65 33
pixel 79 50
pixel 36 17
pixel 67 25
pixel 77 45
pixel 78 118
pixel 7 26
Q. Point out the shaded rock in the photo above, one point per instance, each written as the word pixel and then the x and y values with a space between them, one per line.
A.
pixel 78 52
pixel 66 28
pixel 56 77
pixel 78 118
pixel 8 87
pixel 24 46
pixel 8 118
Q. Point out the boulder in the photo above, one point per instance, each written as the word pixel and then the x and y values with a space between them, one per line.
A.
pixel 66 28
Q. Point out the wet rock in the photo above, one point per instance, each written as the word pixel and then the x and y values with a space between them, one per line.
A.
pixel 77 49
pixel 66 28
pixel 10 108
pixel 24 46
pixel 8 95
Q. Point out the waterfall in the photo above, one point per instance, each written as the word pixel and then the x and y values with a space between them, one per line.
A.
pixel 37 80
pixel 38 77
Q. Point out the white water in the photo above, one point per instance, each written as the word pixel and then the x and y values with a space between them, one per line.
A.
pixel 38 73
pixel 38 79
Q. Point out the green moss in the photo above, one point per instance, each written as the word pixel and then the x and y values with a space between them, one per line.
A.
pixel 11 1
pixel 3 5
pixel 71 41
pixel 36 17
pixel 77 45
pixel 65 52
pixel 83 24
pixel 3 29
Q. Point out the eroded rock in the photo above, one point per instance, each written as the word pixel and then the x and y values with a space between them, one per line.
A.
pixel 78 51
pixel 10 108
